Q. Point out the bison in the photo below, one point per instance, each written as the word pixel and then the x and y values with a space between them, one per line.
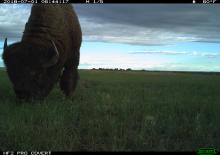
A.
pixel 48 52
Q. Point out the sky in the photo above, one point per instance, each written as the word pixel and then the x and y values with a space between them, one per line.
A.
pixel 168 37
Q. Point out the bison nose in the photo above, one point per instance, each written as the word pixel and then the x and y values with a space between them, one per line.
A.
pixel 21 94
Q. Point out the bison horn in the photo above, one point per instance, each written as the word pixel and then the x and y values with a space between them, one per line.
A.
pixel 54 59
pixel 5 44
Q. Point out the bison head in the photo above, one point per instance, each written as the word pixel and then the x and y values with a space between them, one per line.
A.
pixel 31 67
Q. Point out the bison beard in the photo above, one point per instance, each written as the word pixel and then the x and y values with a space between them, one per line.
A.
pixel 48 52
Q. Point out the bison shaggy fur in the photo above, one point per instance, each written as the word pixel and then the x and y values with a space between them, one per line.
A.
pixel 47 53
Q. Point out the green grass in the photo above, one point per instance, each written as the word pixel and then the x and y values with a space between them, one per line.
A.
pixel 116 111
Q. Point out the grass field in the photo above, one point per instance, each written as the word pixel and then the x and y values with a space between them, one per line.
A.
pixel 116 111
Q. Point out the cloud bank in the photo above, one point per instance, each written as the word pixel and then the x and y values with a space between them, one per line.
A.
pixel 13 18
pixel 136 24
pixel 150 24
pixel 143 24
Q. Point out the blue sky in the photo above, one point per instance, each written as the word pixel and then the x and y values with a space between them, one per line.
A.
pixel 153 37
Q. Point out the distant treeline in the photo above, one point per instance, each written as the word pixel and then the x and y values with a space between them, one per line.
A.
pixel 143 70
pixel 112 69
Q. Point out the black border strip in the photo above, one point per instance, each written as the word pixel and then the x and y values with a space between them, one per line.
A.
pixel 62 152
pixel 58 153
pixel 171 153
pixel 108 1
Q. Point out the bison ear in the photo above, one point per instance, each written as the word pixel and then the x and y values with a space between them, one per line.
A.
pixel 5 44
pixel 53 58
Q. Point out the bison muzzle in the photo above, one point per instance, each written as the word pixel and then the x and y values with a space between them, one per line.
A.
pixel 47 53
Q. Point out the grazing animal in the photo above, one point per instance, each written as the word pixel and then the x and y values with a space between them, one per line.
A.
pixel 48 51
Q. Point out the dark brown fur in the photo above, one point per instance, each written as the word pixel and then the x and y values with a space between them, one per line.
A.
pixel 24 60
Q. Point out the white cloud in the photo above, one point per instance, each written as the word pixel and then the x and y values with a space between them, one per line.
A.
pixel 186 53
pixel 205 54
pixel 160 52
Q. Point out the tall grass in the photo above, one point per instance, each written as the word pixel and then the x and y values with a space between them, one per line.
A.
pixel 116 111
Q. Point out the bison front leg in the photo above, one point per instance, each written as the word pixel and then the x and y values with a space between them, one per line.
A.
pixel 68 81
pixel 70 76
